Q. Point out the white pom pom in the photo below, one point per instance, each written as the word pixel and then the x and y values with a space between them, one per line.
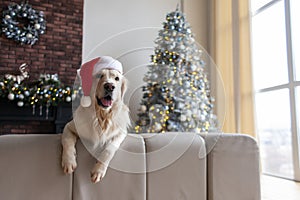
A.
pixel 85 101
pixel 143 108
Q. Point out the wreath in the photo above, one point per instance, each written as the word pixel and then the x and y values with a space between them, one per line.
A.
pixel 22 23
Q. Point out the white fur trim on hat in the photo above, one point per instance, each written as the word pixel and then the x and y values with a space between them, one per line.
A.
pixel 91 68
pixel 107 62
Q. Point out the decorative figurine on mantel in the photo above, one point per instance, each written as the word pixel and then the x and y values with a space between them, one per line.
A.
pixel 19 78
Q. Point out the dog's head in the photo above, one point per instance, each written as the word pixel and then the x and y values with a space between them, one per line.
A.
pixel 102 82
pixel 110 89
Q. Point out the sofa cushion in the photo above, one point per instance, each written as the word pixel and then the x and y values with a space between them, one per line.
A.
pixel 30 168
pixel 176 166
pixel 125 178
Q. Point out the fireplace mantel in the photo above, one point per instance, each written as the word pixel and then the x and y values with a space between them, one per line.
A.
pixel 57 116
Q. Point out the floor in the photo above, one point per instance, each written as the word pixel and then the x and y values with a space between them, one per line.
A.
pixel 273 188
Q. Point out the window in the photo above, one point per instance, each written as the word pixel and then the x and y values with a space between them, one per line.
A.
pixel 276 78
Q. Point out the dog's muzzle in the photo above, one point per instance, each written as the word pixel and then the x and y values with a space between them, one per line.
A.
pixel 109 87
pixel 107 100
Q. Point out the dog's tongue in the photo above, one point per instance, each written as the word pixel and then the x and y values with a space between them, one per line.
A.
pixel 106 102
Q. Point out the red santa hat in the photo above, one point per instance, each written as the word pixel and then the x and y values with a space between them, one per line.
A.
pixel 91 68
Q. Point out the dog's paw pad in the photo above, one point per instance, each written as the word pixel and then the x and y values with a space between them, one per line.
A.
pixel 98 172
pixel 97 176
pixel 69 167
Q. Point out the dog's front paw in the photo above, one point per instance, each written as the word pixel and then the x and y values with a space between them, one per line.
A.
pixel 98 172
pixel 69 165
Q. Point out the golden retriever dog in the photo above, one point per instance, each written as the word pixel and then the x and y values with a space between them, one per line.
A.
pixel 101 122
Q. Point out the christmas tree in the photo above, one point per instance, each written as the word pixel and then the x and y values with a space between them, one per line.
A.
pixel 176 96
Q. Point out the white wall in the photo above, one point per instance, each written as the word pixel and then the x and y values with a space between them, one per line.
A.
pixel 197 13
pixel 126 30
pixel 106 20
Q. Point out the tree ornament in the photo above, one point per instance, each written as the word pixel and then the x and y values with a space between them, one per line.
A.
pixel 157 127
pixel 27 33
pixel 180 105
pixel 11 96
pixel 20 103
pixel 21 96
pixel 154 76
pixel 202 118
pixel 68 99
pixel 183 118
pixel 186 84
pixel 189 113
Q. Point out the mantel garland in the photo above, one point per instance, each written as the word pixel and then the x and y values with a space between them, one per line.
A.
pixel 28 33
pixel 45 92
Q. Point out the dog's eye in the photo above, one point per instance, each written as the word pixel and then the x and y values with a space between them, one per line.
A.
pixel 117 78
pixel 99 76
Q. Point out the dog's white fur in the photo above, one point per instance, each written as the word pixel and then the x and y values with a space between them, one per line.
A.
pixel 108 125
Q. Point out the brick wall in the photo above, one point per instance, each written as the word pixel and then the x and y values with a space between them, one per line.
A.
pixel 58 51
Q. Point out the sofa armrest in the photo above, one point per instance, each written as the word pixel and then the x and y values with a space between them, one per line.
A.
pixel 233 167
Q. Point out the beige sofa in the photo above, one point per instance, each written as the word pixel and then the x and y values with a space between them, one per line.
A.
pixel 168 166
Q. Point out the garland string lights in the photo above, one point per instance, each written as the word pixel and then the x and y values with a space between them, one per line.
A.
pixel 45 92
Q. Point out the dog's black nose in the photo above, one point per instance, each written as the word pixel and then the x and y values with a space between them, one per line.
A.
pixel 109 87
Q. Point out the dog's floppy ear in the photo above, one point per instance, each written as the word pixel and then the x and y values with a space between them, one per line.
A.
pixel 123 87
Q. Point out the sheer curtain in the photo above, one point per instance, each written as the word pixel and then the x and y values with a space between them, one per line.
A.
pixel 230 49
